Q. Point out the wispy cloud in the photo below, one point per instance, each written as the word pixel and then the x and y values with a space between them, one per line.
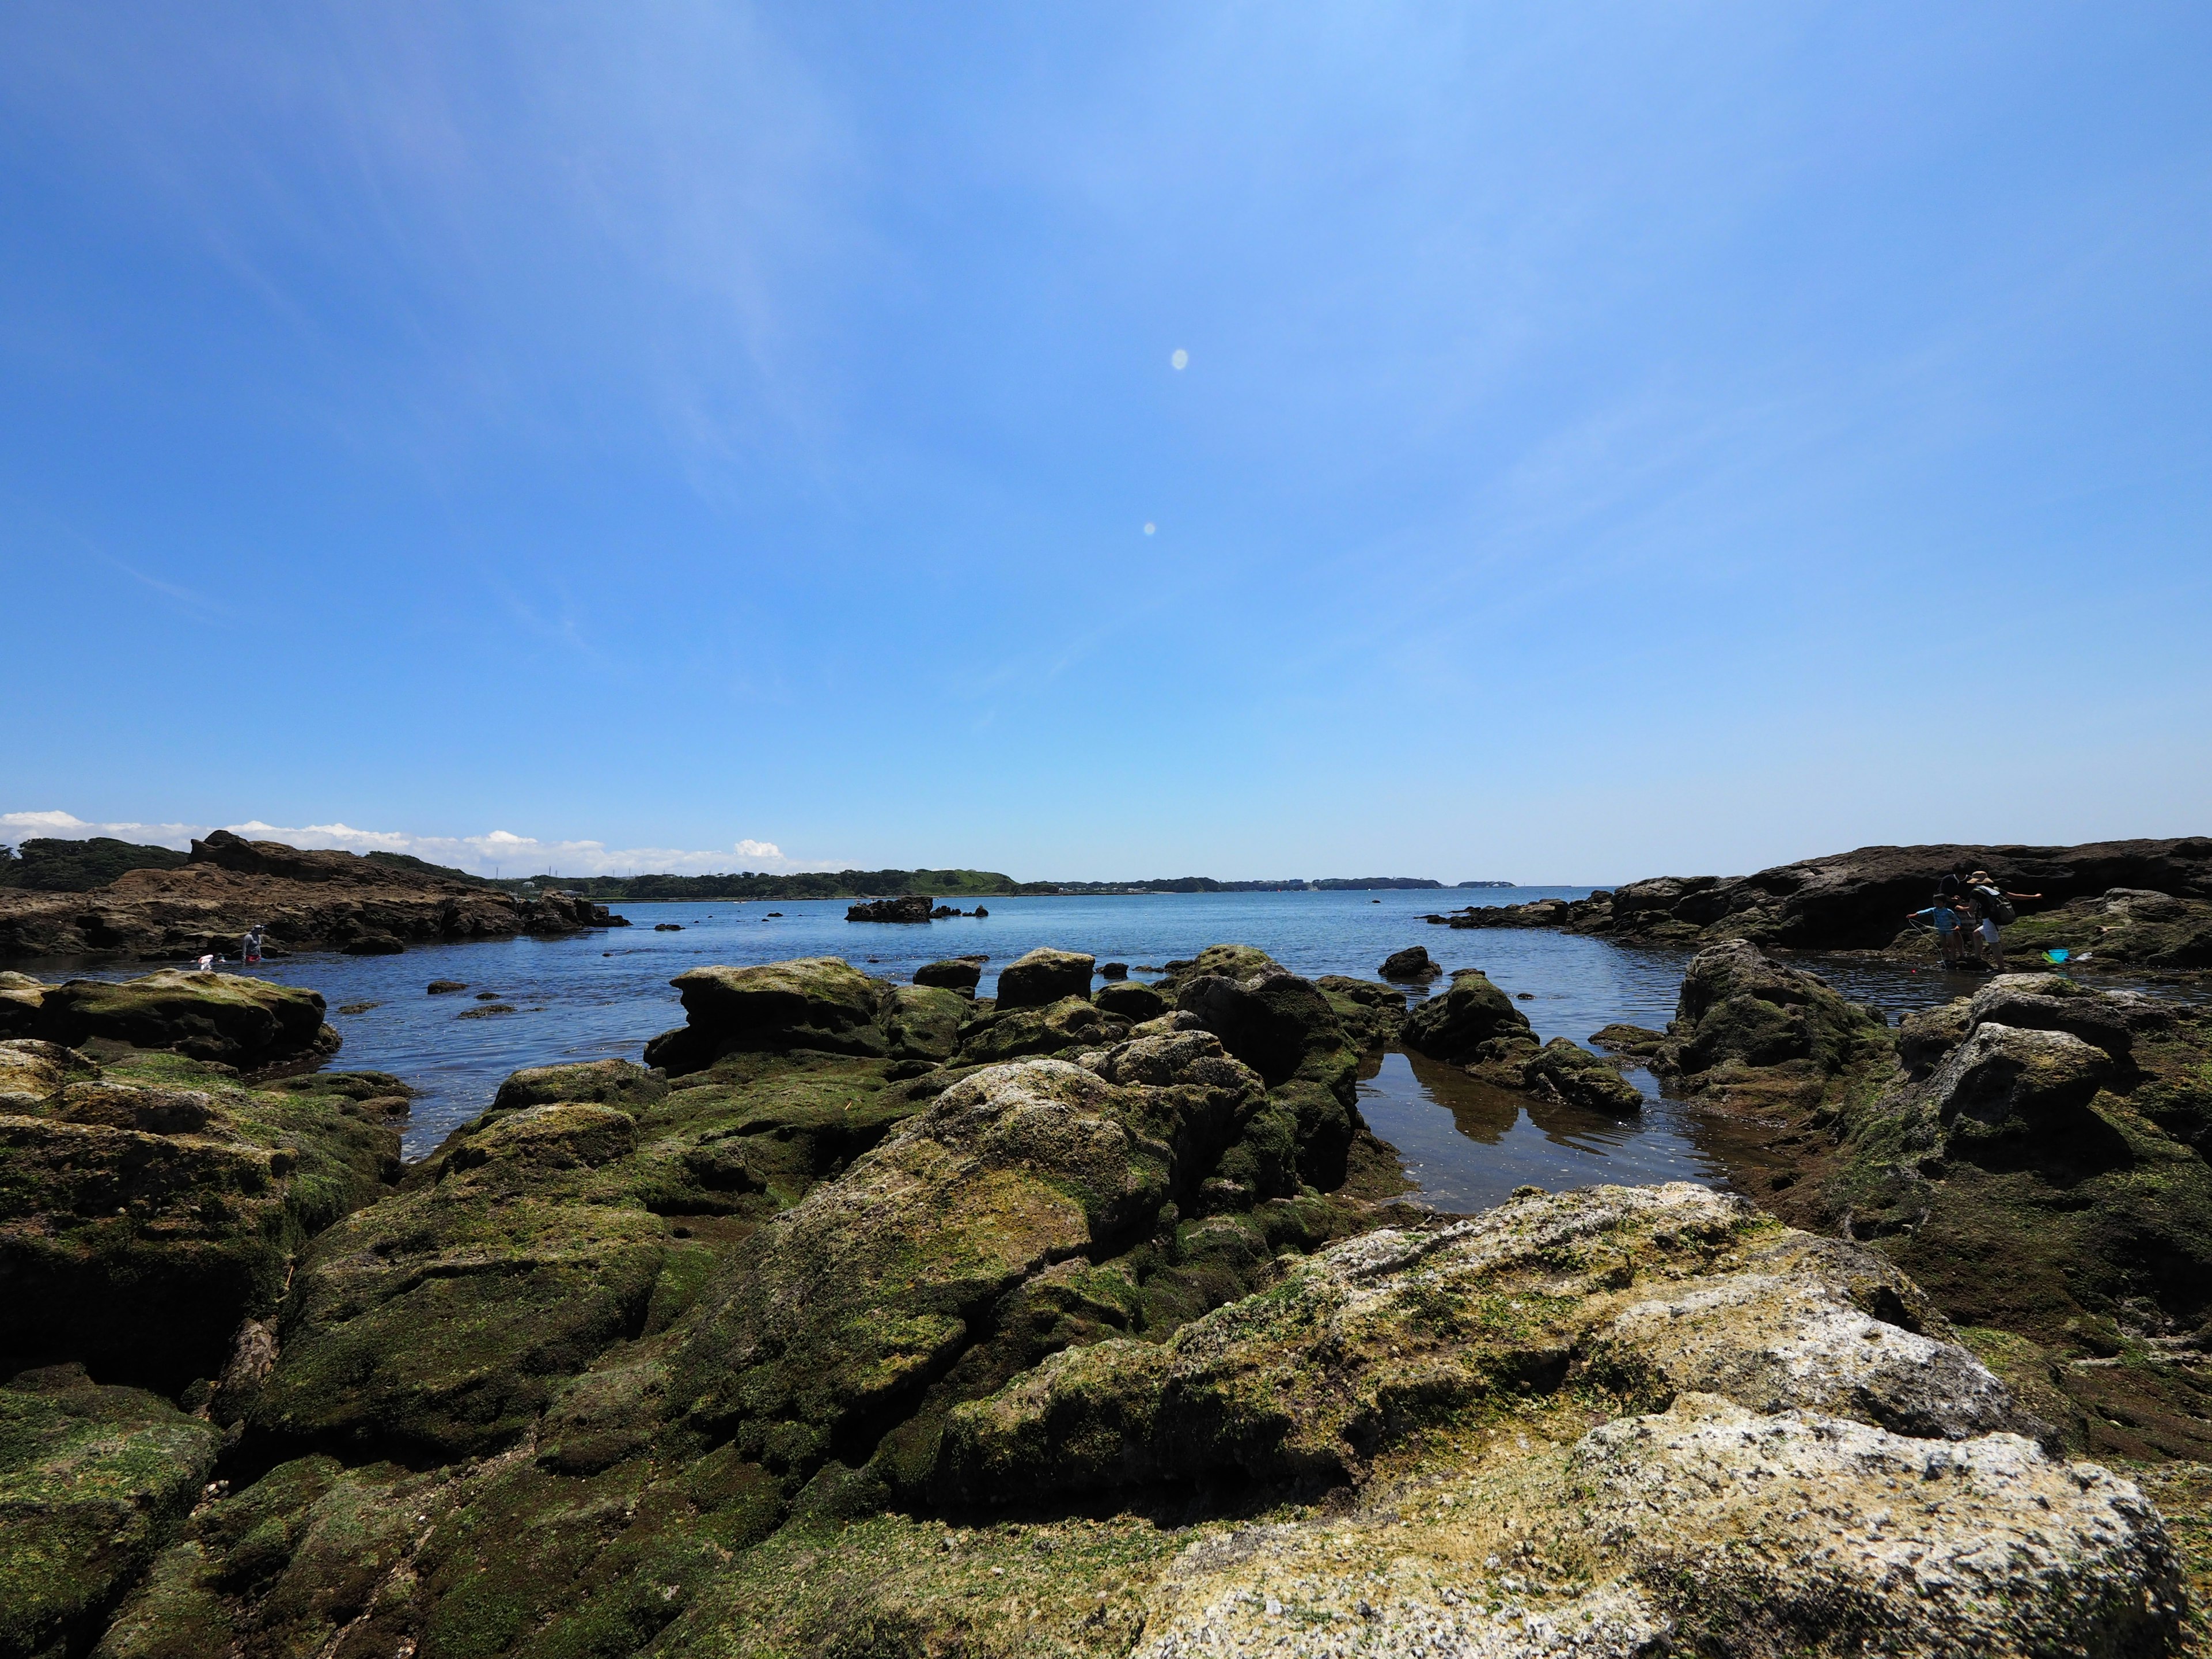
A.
pixel 500 852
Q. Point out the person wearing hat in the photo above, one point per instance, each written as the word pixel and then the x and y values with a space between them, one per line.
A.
pixel 1992 906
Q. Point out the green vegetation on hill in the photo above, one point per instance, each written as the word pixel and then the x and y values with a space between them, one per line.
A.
pixel 805 884
pixel 46 865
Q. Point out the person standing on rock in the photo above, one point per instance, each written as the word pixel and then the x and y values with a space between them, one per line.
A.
pixel 250 948
pixel 1992 908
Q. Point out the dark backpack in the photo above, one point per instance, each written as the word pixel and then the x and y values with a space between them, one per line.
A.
pixel 1996 906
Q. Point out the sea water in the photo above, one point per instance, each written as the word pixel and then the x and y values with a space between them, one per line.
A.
pixel 605 993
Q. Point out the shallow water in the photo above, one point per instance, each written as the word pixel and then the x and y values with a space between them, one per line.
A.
pixel 603 993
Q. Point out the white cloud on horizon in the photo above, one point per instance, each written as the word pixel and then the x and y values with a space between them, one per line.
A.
pixel 501 852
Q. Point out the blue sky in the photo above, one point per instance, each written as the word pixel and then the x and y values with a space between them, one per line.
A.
pixel 1611 440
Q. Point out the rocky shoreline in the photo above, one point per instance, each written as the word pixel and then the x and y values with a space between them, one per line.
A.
pixel 304 900
pixel 2134 905
pixel 881 1319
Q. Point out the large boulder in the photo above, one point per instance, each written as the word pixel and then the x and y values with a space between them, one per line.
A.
pixel 1411 962
pixel 93 1481
pixel 2001 1075
pixel 822 1003
pixel 847 1309
pixel 437 1324
pixel 1286 1029
pixel 1043 976
pixel 953 974
pixel 1704 1529
pixel 584 1210
pixel 1473 1020
pixel 251 1023
pixel 1740 1010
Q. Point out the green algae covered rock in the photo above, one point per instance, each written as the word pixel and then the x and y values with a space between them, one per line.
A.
pixel 822 1004
pixel 250 1023
pixel 93 1480
pixel 811 1002
pixel 443 1322
pixel 1472 1020
pixel 2044 1189
pixel 1058 1028
pixel 1739 1012
pixel 1130 1000
pixel 1569 1073
pixel 845 1309
pixel 618 1081
pixel 1635 1292
pixel 149 1206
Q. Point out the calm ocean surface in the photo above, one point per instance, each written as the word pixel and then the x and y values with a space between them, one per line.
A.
pixel 602 994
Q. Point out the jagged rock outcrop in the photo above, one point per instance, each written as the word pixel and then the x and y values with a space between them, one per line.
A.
pixel 2143 903
pixel 828 1347
pixel 820 1003
pixel 908 909
pixel 304 900
pixel 2034 1155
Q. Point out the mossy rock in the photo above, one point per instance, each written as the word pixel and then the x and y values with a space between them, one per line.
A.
pixel 1625 1296
pixel 612 1081
pixel 1130 1000
pixel 93 1482
pixel 1063 1027
pixel 250 1023
pixel 147 1210
pixel 820 1003
pixel 1471 1019
pixel 1572 1073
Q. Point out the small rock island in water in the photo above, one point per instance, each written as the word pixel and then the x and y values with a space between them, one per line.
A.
pixel 877 1319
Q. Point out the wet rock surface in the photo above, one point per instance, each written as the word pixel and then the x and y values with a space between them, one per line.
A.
pixel 837 1330
pixel 2034 1156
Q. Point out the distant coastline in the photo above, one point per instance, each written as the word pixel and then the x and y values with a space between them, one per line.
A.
pixel 54 865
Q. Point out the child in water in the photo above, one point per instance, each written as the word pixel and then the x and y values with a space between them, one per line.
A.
pixel 1944 915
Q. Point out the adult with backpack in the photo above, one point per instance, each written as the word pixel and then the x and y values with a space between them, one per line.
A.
pixel 1992 910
